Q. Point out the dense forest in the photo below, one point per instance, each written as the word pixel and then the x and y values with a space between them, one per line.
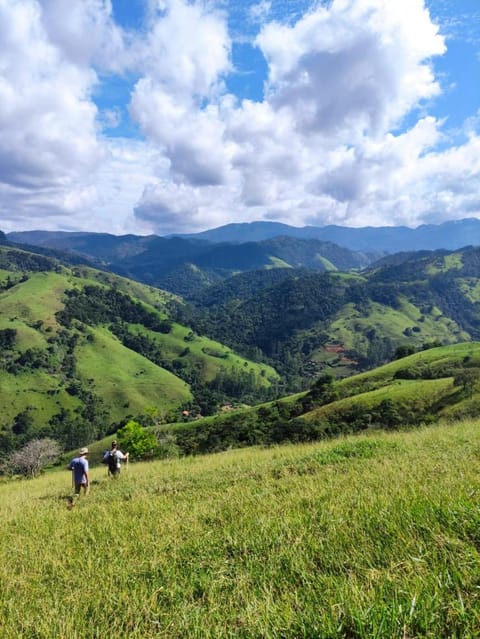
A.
pixel 286 316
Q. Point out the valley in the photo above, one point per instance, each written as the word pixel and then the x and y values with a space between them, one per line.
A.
pixel 84 350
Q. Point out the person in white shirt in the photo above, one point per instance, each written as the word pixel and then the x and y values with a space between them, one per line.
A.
pixel 113 458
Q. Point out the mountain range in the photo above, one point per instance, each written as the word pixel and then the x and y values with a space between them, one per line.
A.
pixel 185 264
pixel 84 348
pixel 389 239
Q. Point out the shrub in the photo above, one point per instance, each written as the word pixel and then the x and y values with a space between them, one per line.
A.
pixel 139 442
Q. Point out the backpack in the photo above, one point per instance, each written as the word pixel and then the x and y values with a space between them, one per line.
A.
pixel 112 462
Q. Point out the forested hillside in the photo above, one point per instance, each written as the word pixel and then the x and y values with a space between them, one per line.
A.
pixel 183 265
pixel 305 321
pixel 82 350
pixel 440 383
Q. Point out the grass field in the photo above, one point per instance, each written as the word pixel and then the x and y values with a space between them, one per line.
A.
pixel 359 537
pixel 124 380
pixel 415 394
pixel 124 377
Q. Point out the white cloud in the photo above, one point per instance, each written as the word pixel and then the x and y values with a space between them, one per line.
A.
pixel 343 134
pixel 181 207
pixel 85 32
pixel 129 166
pixel 49 146
pixel 187 48
pixel 191 138
pixel 353 68
pixel 316 149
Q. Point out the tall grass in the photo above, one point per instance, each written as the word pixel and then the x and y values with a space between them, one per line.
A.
pixel 363 537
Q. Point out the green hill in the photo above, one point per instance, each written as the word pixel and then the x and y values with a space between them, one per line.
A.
pixel 423 388
pixel 307 322
pixel 182 265
pixel 82 349
pixel 368 536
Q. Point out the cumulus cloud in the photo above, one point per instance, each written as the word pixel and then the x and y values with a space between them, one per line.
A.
pixel 320 146
pixel 343 132
pixel 192 138
pixel 85 33
pixel 187 48
pixel 49 145
pixel 181 207
pixel 353 67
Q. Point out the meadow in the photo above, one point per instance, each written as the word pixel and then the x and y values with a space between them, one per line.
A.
pixel 368 536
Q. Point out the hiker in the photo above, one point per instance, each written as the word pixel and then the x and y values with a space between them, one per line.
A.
pixel 79 467
pixel 113 459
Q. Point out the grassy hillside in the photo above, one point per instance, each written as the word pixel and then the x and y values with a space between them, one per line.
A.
pixel 367 536
pixel 423 388
pixel 81 349
pixel 306 322
pixel 125 380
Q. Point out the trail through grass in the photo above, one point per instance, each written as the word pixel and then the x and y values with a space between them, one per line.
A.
pixel 369 536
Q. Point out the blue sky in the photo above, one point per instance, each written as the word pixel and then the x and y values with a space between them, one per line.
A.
pixel 164 116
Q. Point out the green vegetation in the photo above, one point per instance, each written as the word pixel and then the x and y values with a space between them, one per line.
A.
pixel 367 536
pixel 305 322
pixel 111 369
pixel 441 382
pixel 82 351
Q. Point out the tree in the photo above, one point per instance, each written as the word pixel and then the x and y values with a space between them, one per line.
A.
pixel 403 351
pixel 7 338
pixel 23 422
pixel 138 441
pixel 467 379
pixel 323 390
pixel 33 457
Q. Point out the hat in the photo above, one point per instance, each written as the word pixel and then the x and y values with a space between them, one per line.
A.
pixel 114 443
pixel 83 451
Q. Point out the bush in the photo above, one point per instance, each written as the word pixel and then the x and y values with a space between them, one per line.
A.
pixel 139 442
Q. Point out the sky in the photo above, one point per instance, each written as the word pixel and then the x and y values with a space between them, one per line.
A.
pixel 176 116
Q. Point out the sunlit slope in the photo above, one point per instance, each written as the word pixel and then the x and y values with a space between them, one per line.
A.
pixel 209 356
pixel 428 385
pixel 127 382
pixel 404 323
pixel 41 393
pixel 50 361
pixel 35 300
pixel 420 389
pixel 368 536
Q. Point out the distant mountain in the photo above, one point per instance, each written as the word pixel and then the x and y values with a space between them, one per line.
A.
pixel 101 247
pixel 392 239
pixel 384 239
pixel 220 261
pixel 182 265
